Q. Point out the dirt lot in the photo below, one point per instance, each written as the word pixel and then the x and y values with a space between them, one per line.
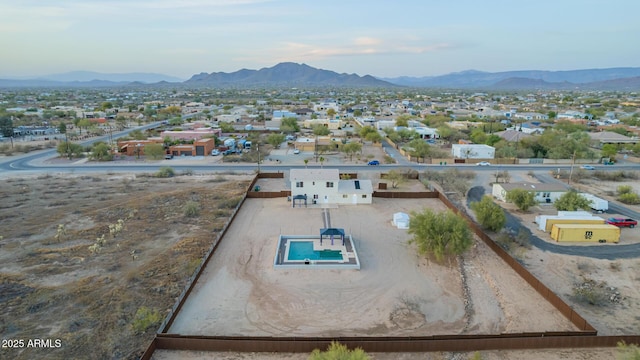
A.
pixel 395 293
pixel 614 304
pixel 145 247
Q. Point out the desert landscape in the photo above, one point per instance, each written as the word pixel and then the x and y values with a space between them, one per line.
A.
pixel 85 282
pixel 96 261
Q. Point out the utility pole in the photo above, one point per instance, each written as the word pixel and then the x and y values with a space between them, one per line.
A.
pixel 573 160
pixel 258 148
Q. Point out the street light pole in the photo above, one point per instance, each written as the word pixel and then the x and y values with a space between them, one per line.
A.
pixel 258 148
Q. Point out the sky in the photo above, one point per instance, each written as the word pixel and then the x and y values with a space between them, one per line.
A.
pixel 380 38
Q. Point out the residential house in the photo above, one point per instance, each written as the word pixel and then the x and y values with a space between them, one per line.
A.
pixel 324 187
pixel 544 193
pixel 331 124
pixel 610 137
pixel 473 151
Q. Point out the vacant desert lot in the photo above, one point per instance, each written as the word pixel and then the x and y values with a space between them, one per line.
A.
pixel 395 293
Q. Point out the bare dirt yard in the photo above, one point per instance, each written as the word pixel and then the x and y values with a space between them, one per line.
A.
pixel 96 261
pixel 395 293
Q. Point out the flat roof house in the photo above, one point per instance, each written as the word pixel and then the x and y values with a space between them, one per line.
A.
pixel 545 193
pixel 324 187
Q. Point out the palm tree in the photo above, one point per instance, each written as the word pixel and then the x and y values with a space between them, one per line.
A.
pixel 306 161
pixel 322 159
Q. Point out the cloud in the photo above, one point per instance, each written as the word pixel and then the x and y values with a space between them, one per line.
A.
pixel 295 51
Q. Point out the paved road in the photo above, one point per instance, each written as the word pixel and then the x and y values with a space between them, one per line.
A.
pixel 606 252
pixel 614 206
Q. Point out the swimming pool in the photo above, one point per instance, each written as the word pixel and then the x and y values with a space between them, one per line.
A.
pixel 303 250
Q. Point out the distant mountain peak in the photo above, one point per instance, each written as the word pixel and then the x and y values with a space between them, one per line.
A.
pixel 286 74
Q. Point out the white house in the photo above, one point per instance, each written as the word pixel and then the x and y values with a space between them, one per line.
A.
pixel 473 151
pixel 323 186
pixel 544 193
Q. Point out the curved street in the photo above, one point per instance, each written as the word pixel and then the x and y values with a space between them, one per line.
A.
pixel 34 163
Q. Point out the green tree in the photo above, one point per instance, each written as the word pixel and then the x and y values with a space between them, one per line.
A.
pixel 522 198
pixel 403 120
pixel 331 113
pixel 489 214
pixel 441 234
pixel 101 152
pixel 571 201
pixel 121 122
pixel 396 178
pixel 407 134
pixel 289 125
pixel 374 137
pixel 84 123
pixel 419 148
pixel 351 148
pixel 69 149
pixel 62 128
pixel 321 130
pixel 337 351
pixel 275 140
pixel 226 127
pixel 609 151
pixel 478 136
pixel 366 130
pixel 154 151
pixel 177 121
pixel 6 126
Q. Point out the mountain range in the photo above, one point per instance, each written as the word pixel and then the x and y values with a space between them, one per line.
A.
pixel 527 79
pixel 290 74
pixel 286 74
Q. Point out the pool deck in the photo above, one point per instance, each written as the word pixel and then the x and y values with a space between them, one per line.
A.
pixel 349 255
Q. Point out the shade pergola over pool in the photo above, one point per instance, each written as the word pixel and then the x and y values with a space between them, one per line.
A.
pixel 331 232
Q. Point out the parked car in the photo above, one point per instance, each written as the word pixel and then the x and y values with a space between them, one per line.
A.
pixel 483 163
pixel 215 152
pixel 296 151
pixel 228 152
pixel 168 156
pixel 373 162
pixel 622 222
pixel 587 167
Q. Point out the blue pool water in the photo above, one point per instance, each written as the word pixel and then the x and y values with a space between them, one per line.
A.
pixel 301 250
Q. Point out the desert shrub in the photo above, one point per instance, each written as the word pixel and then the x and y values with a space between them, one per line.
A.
pixel 624 189
pixel 523 238
pixel 615 175
pixel 144 319
pixel 165 172
pixel 629 198
pixel 389 160
pixel 590 292
pixel 489 214
pixel 628 351
pixel 229 203
pixel 187 172
pixel 339 351
pixel 191 209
